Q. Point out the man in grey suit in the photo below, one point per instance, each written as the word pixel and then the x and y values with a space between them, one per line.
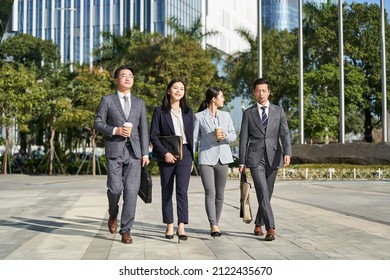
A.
pixel 265 145
pixel 124 154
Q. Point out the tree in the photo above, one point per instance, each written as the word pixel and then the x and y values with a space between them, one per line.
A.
pixel 20 92
pixel 57 103
pixel 362 64
pixel 241 67
pixel 363 49
pixel 280 67
pixel 29 51
pixel 33 53
pixel 114 50
pixel 157 59
pixel 194 31
pixel 88 87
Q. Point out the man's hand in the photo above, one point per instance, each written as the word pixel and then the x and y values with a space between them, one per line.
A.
pixel 241 169
pixel 286 160
pixel 145 160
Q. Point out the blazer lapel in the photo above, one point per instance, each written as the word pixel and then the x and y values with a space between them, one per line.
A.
pixel 271 114
pixel 208 120
pixel 133 107
pixel 169 121
pixel 256 118
pixel 118 104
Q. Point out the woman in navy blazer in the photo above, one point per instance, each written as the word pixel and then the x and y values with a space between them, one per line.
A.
pixel 214 152
pixel 173 117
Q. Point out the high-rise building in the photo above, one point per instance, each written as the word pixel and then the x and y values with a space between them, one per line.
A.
pixel 226 17
pixel 76 26
pixel 283 14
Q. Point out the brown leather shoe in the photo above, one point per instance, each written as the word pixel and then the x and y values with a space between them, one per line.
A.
pixel 112 224
pixel 126 238
pixel 270 235
pixel 258 231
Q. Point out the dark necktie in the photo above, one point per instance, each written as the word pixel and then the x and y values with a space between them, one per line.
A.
pixel 127 106
pixel 264 117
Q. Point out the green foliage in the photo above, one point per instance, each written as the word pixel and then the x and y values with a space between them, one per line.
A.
pixel 41 98
pixel 29 51
pixel 157 60
pixel 20 92
pixel 280 66
pixel 362 88
pixel 363 47
pixel 87 88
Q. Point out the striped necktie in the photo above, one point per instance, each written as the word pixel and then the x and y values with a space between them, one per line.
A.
pixel 264 117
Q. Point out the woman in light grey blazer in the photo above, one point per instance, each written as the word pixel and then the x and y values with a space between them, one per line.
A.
pixel 213 132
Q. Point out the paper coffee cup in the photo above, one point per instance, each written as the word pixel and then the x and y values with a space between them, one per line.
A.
pixel 129 127
pixel 217 131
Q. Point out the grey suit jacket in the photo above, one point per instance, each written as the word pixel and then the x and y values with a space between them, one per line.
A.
pixel 109 114
pixel 254 141
pixel 210 150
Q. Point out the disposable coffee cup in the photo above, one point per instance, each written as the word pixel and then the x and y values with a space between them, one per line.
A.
pixel 217 131
pixel 129 127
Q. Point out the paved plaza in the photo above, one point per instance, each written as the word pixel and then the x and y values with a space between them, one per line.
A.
pixel 65 218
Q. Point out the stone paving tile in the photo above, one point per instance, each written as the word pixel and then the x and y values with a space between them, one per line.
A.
pixel 65 218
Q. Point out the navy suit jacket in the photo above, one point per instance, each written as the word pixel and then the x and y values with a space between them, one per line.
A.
pixel 110 114
pixel 162 125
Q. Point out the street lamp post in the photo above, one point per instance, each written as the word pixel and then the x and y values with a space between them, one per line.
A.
pixel 259 40
pixel 384 88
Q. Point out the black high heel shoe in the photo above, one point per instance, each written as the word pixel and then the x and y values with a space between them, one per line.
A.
pixel 181 237
pixel 215 234
pixel 169 236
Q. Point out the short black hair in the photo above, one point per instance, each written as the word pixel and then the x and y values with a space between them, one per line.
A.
pixel 261 81
pixel 118 70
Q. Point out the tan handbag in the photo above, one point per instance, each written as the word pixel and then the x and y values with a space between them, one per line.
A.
pixel 245 207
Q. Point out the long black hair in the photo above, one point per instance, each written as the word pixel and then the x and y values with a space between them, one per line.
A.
pixel 166 105
pixel 210 94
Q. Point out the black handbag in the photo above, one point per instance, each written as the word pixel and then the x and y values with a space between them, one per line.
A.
pixel 173 144
pixel 145 190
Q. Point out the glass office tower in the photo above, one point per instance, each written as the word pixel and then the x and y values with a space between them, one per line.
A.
pixel 283 14
pixel 76 26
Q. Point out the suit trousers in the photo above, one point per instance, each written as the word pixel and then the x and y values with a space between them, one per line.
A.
pixel 181 172
pixel 264 179
pixel 123 176
pixel 214 182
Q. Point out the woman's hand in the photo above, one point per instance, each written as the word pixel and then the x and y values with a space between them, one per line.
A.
pixel 169 158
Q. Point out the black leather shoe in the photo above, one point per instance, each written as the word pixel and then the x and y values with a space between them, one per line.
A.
pixel 215 234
